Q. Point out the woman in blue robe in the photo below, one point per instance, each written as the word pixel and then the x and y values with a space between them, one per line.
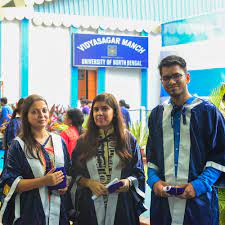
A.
pixel 13 128
pixel 30 171
pixel 105 152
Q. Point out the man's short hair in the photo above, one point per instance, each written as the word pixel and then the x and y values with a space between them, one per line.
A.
pixel 4 100
pixel 172 60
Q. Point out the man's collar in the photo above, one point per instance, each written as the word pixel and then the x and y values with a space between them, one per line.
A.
pixel 188 101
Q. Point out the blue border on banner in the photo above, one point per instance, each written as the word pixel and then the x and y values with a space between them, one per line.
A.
pixel 24 57
pixel 102 50
pixel 74 75
pixel 144 82
pixel 101 80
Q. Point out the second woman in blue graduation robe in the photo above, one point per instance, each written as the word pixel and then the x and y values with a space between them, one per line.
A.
pixel 104 166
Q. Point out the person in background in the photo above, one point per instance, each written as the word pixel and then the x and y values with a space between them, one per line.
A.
pixel 126 115
pixel 6 111
pixel 13 128
pixel 185 149
pixel 29 173
pixel 104 152
pixel 74 118
pixel 84 106
pixel 89 104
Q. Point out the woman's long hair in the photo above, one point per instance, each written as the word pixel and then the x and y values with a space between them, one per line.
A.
pixel 77 119
pixel 90 138
pixel 32 146
pixel 18 109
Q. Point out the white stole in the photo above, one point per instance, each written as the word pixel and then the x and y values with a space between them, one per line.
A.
pixel 105 216
pixel 177 206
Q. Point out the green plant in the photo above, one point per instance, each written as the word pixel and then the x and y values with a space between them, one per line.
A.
pixel 216 98
pixel 217 95
pixel 140 132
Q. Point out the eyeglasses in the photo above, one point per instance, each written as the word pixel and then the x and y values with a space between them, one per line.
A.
pixel 175 77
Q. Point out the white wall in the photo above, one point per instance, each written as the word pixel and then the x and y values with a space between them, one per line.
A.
pixel 154 84
pixel 124 84
pixel 200 55
pixel 49 63
pixel 11 60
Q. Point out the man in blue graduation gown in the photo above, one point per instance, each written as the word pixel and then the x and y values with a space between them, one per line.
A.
pixel 186 148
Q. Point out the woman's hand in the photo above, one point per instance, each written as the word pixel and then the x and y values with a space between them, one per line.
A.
pixel 97 188
pixel 53 178
pixel 125 187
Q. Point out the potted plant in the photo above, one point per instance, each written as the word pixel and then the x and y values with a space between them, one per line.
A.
pixel 140 132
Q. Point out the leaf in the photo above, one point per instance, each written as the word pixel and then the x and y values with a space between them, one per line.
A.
pixel 140 132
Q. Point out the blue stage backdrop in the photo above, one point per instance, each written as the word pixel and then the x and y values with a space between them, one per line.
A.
pixel 203 81
pixel 110 51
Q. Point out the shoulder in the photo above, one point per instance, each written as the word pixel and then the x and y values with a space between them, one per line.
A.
pixel 15 148
pixel 4 108
pixel 57 137
pixel 157 109
pixel 205 106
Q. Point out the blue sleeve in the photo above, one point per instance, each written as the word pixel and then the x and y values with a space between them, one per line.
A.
pixel 128 118
pixel 14 165
pixel 4 113
pixel 152 177
pixel 203 183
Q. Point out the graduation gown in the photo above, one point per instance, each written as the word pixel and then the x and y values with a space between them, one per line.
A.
pixel 32 207
pixel 123 208
pixel 202 144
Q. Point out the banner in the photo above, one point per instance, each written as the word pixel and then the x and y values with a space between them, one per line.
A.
pixel 200 28
pixel 110 51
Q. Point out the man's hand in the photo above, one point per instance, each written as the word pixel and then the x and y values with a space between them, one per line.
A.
pixel 158 189
pixel 189 191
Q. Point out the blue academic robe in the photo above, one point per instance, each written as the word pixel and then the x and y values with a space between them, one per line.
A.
pixel 202 144
pixel 123 208
pixel 31 207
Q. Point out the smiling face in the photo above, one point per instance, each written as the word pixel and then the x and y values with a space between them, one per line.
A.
pixel 103 115
pixel 38 115
pixel 175 80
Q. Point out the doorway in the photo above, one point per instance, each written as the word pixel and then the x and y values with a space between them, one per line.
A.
pixel 87 84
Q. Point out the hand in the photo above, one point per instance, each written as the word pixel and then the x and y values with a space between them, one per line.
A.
pixel 63 191
pixel 53 178
pixel 97 188
pixel 125 187
pixel 158 189
pixel 52 110
pixel 189 191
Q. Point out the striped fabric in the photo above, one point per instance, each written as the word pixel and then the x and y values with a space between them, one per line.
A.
pixel 153 10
